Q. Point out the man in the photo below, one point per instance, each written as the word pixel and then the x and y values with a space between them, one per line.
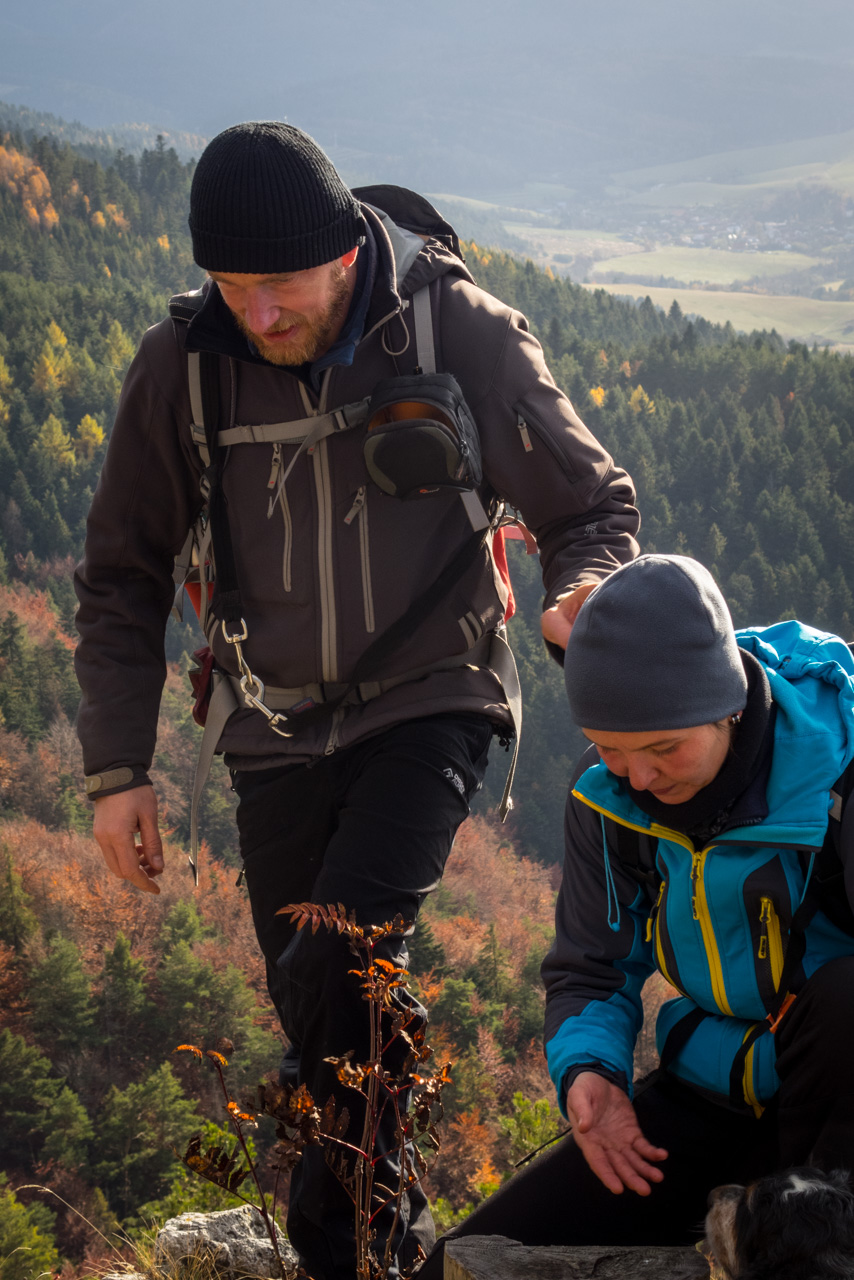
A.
pixel 356 793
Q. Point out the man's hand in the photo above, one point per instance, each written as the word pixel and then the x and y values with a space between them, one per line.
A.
pixel 117 819
pixel 606 1129
pixel 557 621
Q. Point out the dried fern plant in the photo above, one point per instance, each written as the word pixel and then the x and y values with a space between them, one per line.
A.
pixel 411 1094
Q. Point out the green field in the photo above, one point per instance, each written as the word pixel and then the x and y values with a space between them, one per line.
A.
pixel 804 319
pixel 707 266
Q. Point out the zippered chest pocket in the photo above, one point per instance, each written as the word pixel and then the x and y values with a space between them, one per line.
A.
pixel 358 514
pixel 280 498
pixel 769 950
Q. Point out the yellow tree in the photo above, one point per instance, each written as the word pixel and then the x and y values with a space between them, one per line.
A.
pixel 120 348
pixel 90 437
pixel 55 444
pixel 5 388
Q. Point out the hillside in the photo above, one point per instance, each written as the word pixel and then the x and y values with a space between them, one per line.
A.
pixel 742 448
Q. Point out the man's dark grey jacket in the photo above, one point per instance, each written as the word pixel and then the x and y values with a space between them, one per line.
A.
pixel 319 583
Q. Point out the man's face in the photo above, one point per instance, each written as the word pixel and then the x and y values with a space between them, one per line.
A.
pixel 294 317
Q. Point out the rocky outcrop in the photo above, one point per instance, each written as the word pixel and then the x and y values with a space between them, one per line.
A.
pixel 236 1241
pixel 495 1258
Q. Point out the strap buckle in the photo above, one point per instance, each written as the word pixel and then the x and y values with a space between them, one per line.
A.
pixel 774 1022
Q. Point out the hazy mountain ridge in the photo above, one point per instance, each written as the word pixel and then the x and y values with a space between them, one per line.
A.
pixel 133 139
pixel 472 101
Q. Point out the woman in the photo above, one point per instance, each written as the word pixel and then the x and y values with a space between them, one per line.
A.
pixel 694 829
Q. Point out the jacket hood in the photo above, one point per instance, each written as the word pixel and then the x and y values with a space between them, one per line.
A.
pixel 811 674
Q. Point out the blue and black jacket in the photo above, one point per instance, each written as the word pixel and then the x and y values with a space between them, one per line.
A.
pixel 719 927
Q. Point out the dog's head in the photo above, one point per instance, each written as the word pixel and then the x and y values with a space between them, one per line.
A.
pixel 797 1225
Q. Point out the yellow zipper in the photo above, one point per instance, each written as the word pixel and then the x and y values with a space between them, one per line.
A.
pixel 699 901
pixel 747 1080
pixel 772 940
pixel 703 916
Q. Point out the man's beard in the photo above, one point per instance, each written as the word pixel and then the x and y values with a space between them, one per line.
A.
pixel 316 335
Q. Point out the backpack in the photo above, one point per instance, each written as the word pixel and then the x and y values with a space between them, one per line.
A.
pixel 409 219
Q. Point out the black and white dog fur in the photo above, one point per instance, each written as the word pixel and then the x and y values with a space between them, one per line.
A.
pixel 797 1225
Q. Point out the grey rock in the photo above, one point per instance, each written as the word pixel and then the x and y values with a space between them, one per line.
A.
pixel 496 1258
pixel 235 1239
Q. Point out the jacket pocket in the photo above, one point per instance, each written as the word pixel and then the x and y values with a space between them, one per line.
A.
pixel 287 518
pixel 769 951
pixel 359 513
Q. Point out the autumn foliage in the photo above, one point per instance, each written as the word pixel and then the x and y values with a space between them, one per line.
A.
pixel 23 177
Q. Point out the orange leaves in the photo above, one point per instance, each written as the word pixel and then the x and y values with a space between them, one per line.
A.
pixel 313 913
pixel 35 610
pixel 23 177
pixel 189 1048
pixel 117 217
pixel 215 1164
pixel 460 937
pixel 216 1058
pixel 233 1110
pixel 490 884
pixel 335 918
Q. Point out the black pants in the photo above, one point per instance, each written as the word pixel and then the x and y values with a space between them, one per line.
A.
pixel 558 1201
pixel 370 827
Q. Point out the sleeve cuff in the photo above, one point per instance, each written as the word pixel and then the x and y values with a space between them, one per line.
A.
pixel 112 781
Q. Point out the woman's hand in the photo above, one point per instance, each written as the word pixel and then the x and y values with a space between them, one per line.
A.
pixel 607 1131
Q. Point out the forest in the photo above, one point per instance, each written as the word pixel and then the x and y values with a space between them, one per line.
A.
pixel 742 450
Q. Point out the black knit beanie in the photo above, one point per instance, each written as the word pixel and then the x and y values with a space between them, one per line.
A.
pixel 653 648
pixel 266 199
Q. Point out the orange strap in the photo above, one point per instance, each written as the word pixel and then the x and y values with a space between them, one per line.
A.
pixel 784 1009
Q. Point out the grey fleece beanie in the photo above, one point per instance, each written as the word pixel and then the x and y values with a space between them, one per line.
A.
pixel 654 648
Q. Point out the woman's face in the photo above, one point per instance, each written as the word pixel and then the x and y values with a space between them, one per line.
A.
pixel 672 764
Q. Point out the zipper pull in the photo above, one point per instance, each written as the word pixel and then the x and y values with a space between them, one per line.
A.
pixel 274 475
pixel 696 863
pixel 358 503
pixel 765 910
pixel 653 915
pixel 523 432
pixel 276 467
